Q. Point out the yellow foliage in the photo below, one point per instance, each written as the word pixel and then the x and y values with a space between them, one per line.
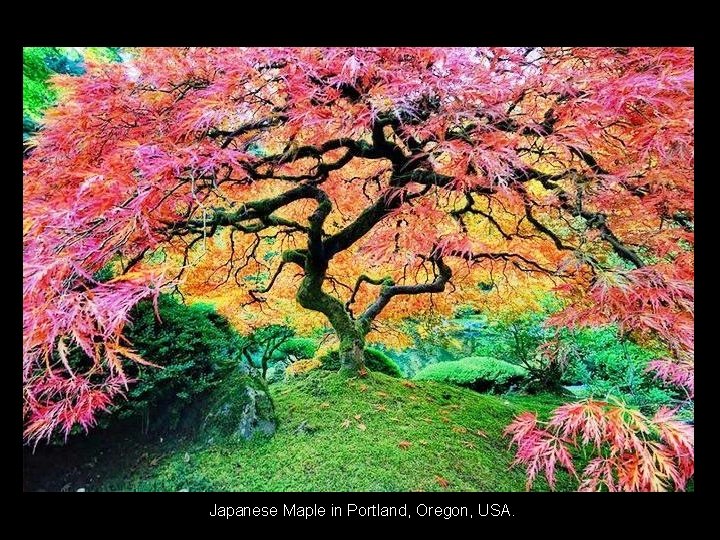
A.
pixel 302 366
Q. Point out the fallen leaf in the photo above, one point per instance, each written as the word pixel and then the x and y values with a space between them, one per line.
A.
pixel 481 433
pixel 413 398
pixel 404 445
pixel 428 420
pixel 325 405
pixel 459 429
pixel 468 444
pixel 362 427
pixel 423 442
pixel 409 384
pixel 380 408
pixel 363 387
pixel 358 416
pixel 154 461
pixel 446 420
pixel 418 490
pixel 346 423
pixel 363 372
pixel 382 394
pixel 443 483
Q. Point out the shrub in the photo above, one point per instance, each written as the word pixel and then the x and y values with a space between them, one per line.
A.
pixel 302 366
pixel 477 372
pixel 375 360
pixel 611 366
pixel 301 348
pixel 194 345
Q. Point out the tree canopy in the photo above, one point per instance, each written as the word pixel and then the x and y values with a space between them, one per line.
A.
pixel 365 185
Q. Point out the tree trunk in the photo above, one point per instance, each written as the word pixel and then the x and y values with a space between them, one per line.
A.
pixel 352 337
pixel 264 366
pixel 352 355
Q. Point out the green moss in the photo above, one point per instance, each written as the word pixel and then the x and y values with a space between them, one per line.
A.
pixel 454 433
pixel 480 373
pixel 375 360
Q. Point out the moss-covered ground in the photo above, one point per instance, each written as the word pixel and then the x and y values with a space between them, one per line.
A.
pixel 336 433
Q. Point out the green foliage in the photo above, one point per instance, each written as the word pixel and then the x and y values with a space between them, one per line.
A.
pixel 465 311
pixel 477 372
pixel 515 340
pixel 37 94
pixel 261 346
pixel 301 348
pixel 194 345
pixel 41 63
pixel 611 366
pixel 312 451
pixel 436 339
pixel 375 360
pixel 105 274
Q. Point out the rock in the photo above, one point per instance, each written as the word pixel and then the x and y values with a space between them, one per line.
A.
pixel 183 490
pixel 239 409
pixel 81 490
pixel 275 374
pixel 186 457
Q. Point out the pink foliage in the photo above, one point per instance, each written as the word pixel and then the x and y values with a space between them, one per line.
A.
pixel 627 451
pixel 133 147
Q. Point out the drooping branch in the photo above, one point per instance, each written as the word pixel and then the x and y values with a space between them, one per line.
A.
pixel 265 123
pixel 272 279
pixel 594 220
pixel 255 210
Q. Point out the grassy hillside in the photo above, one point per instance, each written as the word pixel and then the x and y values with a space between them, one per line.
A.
pixel 372 434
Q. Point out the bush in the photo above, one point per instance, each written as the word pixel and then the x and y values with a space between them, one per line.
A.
pixel 300 348
pixel 611 366
pixel 375 360
pixel 480 373
pixel 195 346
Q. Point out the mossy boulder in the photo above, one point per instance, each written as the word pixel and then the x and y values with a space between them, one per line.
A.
pixel 238 409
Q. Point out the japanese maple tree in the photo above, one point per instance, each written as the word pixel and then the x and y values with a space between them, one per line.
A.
pixel 361 184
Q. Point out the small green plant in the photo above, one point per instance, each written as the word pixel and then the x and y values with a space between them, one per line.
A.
pixel 480 373
pixel 375 360
pixel 299 347
pixel 262 346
